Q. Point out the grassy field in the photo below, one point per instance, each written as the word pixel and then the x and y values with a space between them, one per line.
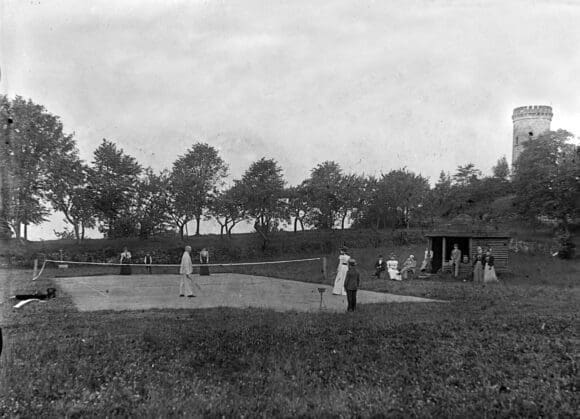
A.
pixel 501 350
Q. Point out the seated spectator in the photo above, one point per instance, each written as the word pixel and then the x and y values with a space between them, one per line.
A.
pixel 409 266
pixel 380 266
pixel 393 268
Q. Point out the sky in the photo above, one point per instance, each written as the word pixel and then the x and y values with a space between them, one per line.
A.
pixel 373 85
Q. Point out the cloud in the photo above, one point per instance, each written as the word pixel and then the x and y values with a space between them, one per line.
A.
pixel 373 85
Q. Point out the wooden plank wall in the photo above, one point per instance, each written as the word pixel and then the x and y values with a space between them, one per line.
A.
pixel 500 250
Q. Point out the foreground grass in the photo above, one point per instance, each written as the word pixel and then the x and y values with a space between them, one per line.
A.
pixel 507 349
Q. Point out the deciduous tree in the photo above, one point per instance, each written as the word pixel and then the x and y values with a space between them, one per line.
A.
pixel 262 187
pixel 195 178
pixel 114 179
pixel 547 178
pixel 33 139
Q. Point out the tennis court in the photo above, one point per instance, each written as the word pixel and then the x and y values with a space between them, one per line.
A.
pixel 143 292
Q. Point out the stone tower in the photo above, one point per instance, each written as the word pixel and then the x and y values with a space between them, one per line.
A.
pixel 529 123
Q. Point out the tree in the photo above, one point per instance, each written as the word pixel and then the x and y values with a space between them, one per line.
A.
pixel 196 177
pixel 405 193
pixel 439 196
pixel 113 179
pixel 34 138
pixel 323 190
pixel 227 208
pixel 262 188
pixel 393 200
pixel 502 169
pixel 547 178
pixel 351 196
pixel 466 175
pixel 152 206
pixel 298 204
pixel 68 180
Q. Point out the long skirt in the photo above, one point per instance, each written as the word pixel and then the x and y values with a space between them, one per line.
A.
pixel 489 274
pixel 426 265
pixel 339 280
pixel 394 275
pixel 126 269
pixel 204 270
pixel 478 272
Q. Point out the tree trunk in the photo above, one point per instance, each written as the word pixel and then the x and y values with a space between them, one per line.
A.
pixel 77 234
pixel 343 220
pixel 82 231
pixel 302 224
pixel 26 231
pixel 295 224
pixel 230 228
pixel 198 222
pixel 181 227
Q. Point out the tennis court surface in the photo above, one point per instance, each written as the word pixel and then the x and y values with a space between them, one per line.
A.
pixel 142 292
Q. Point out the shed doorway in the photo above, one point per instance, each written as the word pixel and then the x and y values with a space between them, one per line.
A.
pixel 462 242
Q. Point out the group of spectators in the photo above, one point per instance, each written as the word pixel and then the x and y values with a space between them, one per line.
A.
pixel 347 278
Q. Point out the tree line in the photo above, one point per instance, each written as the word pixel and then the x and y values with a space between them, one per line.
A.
pixel 42 172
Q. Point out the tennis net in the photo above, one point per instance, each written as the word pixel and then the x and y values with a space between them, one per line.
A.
pixel 309 269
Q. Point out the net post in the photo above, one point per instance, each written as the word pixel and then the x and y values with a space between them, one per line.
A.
pixel 324 271
pixel 35 270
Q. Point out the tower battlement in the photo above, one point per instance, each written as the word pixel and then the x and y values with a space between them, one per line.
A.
pixel 535 111
pixel 529 123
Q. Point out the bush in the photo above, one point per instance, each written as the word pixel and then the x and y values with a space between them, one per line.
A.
pixel 566 247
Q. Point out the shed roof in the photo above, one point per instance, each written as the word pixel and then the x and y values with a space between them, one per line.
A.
pixel 475 234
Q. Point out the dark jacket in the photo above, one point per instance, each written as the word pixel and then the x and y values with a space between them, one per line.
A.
pixel 352 281
pixel 488 260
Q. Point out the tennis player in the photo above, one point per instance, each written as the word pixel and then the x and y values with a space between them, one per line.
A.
pixel 186 270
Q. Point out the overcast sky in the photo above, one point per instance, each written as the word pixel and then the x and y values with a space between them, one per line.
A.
pixel 372 85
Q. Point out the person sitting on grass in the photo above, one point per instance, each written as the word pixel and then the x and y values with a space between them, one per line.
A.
pixel 351 284
pixel 409 266
pixel 393 268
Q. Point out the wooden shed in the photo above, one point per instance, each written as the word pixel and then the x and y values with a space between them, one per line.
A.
pixel 442 241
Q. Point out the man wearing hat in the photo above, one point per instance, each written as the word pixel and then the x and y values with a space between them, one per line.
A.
pixel 351 284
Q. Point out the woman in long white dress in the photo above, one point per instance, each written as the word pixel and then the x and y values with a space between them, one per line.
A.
pixel 341 273
pixel 393 269
pixel 489 269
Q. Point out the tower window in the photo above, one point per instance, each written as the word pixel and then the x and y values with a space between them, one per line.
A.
pixel 517 140
pixel 531 134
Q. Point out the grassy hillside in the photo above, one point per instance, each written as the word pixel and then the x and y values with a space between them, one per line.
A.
pixel 498 350
pixel 240 247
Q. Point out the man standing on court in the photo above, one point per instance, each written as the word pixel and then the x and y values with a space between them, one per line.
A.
pixel 351 284
pixel 186 269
